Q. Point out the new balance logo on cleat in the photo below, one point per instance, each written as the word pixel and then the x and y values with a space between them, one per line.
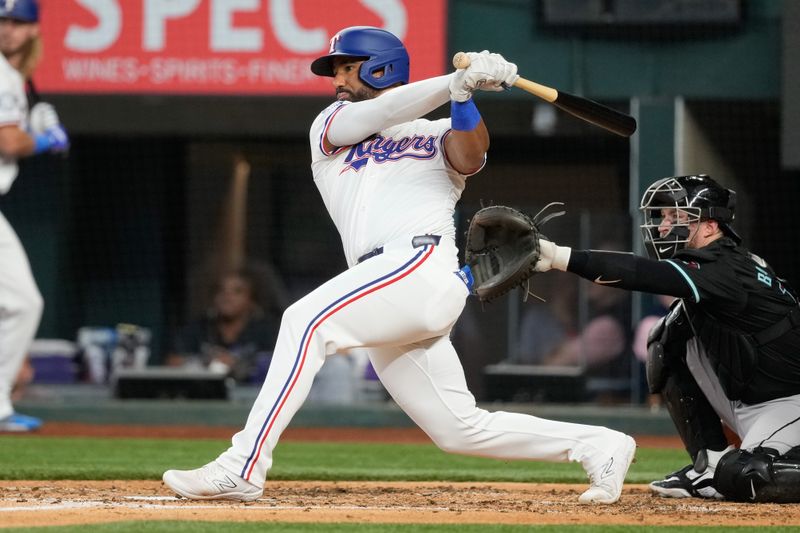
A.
pixel 223 484
pixel 607 480
pixel 211 482
pixel 608 469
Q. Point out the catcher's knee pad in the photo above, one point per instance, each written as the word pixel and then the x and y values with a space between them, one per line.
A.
pixel 758 476
pixel 666 346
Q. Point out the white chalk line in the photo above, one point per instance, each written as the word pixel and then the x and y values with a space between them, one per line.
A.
pixel 60 504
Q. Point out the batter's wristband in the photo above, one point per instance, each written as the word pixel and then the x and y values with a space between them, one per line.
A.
pixel 464 116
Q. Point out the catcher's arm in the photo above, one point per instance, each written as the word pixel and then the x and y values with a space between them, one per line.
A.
pixel 552 256
pixel 623 270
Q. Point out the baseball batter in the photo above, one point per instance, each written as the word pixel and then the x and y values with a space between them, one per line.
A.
pixel 390 181
pixel 728 350
pixel 21 135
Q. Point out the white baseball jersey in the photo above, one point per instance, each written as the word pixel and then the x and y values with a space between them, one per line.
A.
pixel 13 110
pixel 400 305
pixel 394 184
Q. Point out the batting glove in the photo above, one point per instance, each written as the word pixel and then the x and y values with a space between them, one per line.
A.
pixel 552 256
pixel 459 91
pixel 43 116
pixel 53 139
pixel 490 72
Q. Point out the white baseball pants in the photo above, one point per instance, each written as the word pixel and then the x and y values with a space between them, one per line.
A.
pixel 401 305
pixel 20 310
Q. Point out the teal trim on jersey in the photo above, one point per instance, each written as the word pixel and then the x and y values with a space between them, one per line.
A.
pixel 688 280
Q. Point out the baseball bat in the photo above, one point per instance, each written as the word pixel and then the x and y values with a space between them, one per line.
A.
pixel 583 108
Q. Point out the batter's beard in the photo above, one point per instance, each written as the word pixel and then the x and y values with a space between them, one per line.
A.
pixel 361 94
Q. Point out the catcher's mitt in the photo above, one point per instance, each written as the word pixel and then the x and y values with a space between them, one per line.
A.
pixel 502 248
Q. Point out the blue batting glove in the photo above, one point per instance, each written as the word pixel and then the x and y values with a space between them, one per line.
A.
pixel 53 139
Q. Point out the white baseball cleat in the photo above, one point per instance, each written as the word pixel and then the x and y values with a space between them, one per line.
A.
pixel 211 482
pixel 607 480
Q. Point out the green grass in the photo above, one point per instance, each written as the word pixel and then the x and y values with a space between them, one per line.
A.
pixel 236 527
pixel 26 457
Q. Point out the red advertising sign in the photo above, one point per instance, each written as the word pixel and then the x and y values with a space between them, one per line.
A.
pixel 219 46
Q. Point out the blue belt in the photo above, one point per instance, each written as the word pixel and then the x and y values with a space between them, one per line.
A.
pixel 416 242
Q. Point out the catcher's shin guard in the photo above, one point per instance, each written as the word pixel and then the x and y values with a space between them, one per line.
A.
pixel 759 476
pixel 698 425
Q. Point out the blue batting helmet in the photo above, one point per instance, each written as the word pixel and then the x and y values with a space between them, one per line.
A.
pixel 380 50
pixel 24 10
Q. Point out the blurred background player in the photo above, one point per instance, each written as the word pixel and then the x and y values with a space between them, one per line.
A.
pixel 22 134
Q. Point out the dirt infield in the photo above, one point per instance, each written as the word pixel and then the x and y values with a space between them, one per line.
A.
pixel 27 503
pixel 38 503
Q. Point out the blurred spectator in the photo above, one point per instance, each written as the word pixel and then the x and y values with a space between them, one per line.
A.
pixel 603 346
pixel 650 317
pixel 546 325
pixel 235 335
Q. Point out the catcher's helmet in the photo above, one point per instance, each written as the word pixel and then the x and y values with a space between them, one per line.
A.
pixel 697 198
pixel 23 10
pixel 381 51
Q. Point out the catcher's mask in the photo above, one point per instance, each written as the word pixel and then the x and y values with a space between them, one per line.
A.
pixel 682 201
pixel 381 51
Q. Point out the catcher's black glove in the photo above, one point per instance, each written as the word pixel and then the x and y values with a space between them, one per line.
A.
pixel 502 249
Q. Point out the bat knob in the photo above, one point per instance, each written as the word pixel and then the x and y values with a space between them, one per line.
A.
pixel 461 60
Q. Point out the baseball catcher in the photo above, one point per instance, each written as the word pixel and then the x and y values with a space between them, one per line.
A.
pixel 502 249
pixel 728 350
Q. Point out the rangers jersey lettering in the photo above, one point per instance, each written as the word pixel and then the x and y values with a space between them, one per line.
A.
pixel 394 184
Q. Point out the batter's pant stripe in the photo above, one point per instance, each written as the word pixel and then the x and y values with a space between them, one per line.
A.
pixel 305 342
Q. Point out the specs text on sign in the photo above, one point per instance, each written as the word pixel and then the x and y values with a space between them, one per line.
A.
pixel 223 34
pixel 261 47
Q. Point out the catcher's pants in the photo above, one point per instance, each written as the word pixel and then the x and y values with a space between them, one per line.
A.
pixel 773 424
pixel 401 305
pixel 20 310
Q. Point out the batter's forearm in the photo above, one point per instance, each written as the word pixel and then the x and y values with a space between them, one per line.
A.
pixel 357 121
pixel 15 143
pixel 466 150
pixel 625 270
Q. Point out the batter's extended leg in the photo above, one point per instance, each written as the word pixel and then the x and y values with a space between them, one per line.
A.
pixel 441 404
